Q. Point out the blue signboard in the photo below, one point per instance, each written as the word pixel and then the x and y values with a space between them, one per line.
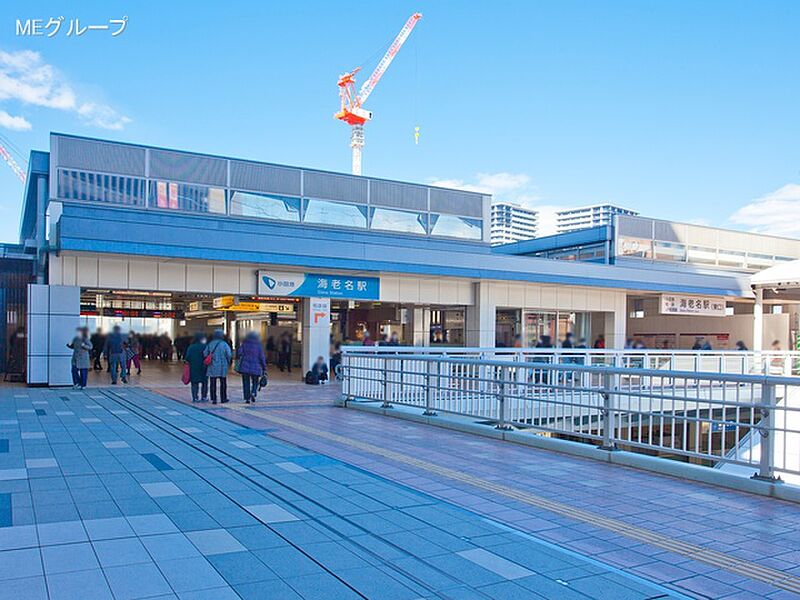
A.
pixel 315 285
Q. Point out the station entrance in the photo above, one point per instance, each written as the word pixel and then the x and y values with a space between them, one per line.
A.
pixel 166 322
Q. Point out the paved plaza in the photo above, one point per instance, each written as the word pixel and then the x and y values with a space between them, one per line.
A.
pixel 123 492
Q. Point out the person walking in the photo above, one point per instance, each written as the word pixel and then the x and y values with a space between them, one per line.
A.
pixel 133 351
pixel 218 356
pixel 81 347
pixel 251 365
pixel 285 353
pixel 195 358
pixel 98 341
pixel 114 351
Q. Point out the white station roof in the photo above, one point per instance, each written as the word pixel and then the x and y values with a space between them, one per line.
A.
pixel 783 276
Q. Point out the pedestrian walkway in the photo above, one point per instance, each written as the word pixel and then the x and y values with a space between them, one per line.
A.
pixel 122 493
pixel 701 540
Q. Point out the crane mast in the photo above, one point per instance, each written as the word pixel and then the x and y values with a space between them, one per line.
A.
pixel 351 110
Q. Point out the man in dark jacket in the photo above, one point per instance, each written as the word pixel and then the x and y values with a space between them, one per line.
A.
pixel 285 353
pixel 114 351
pixel 319 371
pixel 198 378
pixel 98 343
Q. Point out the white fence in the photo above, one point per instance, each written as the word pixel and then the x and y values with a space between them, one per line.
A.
pixel 711 361
pixel 705 417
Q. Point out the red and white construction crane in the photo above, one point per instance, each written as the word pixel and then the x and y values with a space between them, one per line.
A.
pixel 6 156
pixel 352 111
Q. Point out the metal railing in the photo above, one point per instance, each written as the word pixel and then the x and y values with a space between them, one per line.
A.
pixel 705 418
pixel 711 361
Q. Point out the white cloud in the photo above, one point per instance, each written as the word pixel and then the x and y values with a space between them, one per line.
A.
pixel 11 122
pixel 27 79
pixel 777 213
pixel 513 187
pixel 102 116
pixel 509 187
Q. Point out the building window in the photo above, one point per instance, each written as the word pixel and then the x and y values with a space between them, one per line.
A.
pixel 456 227
pixel 98 187
pixel 731 258
pixel 398 220
pixel 327 212
pixel 262 206
pixel 186 197
pixel 669 251
pixel 702 255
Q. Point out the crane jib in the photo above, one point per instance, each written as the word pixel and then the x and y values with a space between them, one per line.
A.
pixel 398 42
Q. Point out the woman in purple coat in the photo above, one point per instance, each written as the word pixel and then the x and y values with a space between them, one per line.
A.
pixel 252 365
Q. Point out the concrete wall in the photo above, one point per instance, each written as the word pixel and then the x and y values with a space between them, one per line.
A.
pixel 125 273
pixel 53 315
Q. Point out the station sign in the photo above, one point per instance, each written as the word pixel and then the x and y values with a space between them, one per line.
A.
pixel 131 313
pixel 315 285
pixel 224 302
pixel 268 307
pixel 676 304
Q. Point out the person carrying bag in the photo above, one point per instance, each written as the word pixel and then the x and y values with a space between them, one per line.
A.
pixel 218 355
pixel 251 364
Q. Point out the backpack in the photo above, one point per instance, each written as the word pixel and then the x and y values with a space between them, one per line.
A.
pixel 311 378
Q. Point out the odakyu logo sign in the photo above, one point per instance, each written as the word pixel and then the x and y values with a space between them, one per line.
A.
pixel 315 285
pixel 279 284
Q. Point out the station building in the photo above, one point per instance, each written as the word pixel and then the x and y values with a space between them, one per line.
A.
pixel 159 240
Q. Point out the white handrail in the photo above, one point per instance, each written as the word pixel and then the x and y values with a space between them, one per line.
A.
pixel 707 417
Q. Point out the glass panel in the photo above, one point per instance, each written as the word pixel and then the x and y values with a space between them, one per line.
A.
pixel 447 327
pixel 730 258
pixel 669 251
pixel 189 198
pixel 326 212
pixel 92 187
pixel 262 206
pixel 537 325
pixel 457 227
pixel 398 220
pixel 702 255
pixel 759 260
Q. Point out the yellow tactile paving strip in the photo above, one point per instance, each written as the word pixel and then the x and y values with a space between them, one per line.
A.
pixel 745 568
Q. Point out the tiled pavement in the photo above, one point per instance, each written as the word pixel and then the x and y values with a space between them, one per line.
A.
pixel 122 493
pixel 752 531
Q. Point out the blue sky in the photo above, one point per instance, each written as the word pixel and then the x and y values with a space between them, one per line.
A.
pixel 681 110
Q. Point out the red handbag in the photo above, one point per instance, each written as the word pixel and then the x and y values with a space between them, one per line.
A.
pixel 208 359
pixel 185 377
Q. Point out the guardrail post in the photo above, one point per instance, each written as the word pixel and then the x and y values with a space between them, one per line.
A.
pixel 342 371
pixel 610 381
pixel 501 399
pixel 386 388
pixel 429 389
pixel 766 427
